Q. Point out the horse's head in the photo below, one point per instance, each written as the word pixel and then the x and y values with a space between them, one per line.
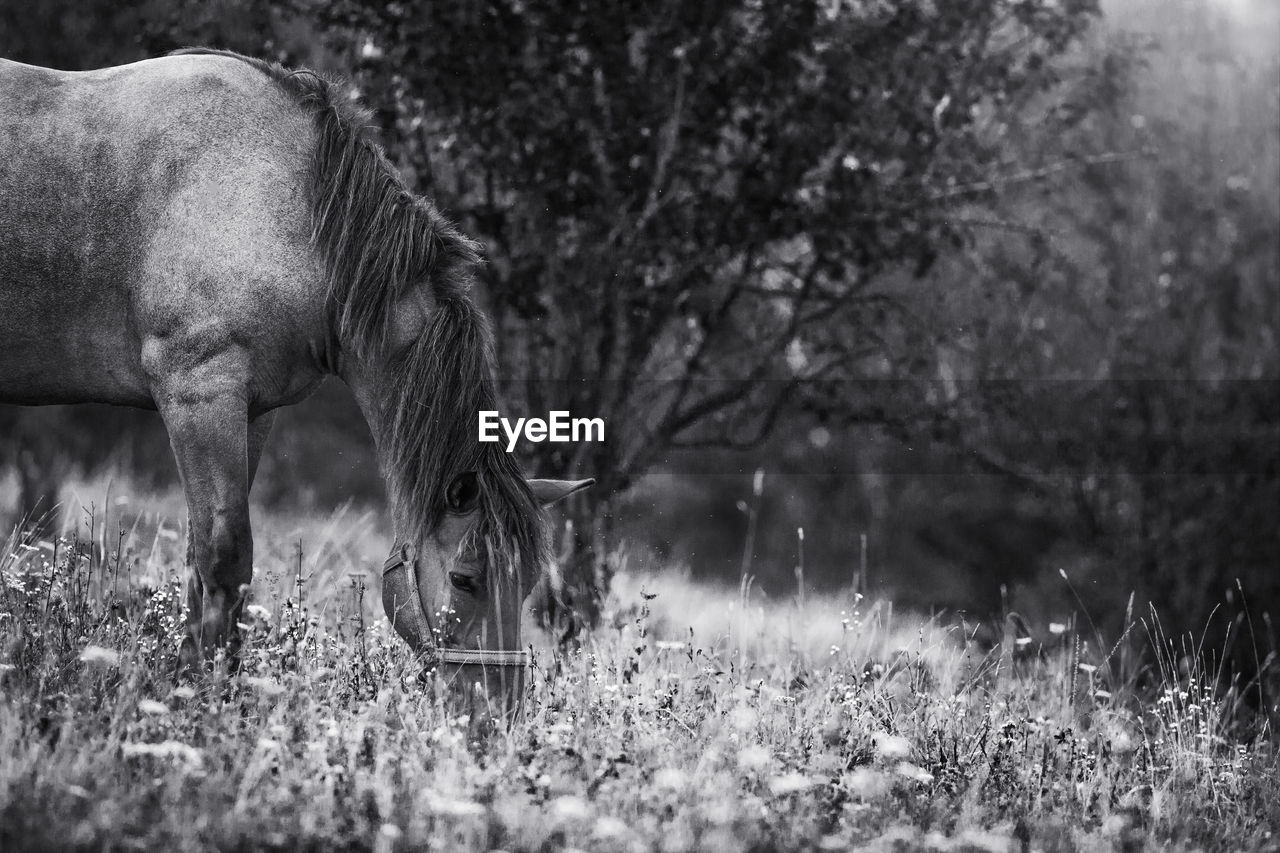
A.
pixel 457 596
pixel 470 538
pixel 402 330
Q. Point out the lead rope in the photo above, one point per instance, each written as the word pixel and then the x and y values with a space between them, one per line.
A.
pixel 401 560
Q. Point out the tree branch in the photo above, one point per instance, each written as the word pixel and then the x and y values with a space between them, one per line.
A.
pixel 992 184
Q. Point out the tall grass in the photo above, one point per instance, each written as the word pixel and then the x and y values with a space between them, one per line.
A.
pixel 694 718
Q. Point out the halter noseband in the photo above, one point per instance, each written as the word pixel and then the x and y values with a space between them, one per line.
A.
pixel 404 609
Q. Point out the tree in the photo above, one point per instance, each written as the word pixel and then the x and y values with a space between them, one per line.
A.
pixel 689 209
pixel 1137 333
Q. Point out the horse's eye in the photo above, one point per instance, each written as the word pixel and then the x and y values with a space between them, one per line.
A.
pixel 463 493
pixel 464 583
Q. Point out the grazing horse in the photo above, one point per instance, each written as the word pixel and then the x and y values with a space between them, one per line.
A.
pixel 211 235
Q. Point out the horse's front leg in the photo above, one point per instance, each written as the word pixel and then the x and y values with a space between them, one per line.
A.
pixel 190 655
pixel 211 443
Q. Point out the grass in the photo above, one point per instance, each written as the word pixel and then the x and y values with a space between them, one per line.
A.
pixel 693 719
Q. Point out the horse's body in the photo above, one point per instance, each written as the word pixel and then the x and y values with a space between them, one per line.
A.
pixel 210 236
pixel 152 222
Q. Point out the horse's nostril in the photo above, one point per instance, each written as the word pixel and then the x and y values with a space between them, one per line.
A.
pixel 462 582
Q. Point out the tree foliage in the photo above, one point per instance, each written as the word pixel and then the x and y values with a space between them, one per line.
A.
pixel 1134 338
pixel 689 210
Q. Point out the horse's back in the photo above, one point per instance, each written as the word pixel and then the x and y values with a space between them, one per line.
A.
pixel 134 201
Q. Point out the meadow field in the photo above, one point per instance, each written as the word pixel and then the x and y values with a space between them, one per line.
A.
pixel 693 719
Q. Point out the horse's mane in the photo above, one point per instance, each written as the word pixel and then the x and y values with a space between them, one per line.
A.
pixel 379 241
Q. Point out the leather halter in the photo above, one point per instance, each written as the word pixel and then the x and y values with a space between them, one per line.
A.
pixel 404 609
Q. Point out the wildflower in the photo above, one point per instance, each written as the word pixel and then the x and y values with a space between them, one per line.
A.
pixel 454 808
pixel 569 808
pixel 610 827
pixel 753 757
pixel 911 771
pixel 991 842
pixel 170 749
pixel 183 692
pixel 1023 641
pixel 789 783
pixel 152 707
pixel 99 655
pixel 1057 628
pixel 1238 183
pixel 891 746
pixel 866 783
pixel 743 717
pixel 265 686
pixel 669 646
pixel 670 777
pixel 1088 668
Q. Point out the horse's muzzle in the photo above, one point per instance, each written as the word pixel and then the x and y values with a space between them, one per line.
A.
pixel 403 605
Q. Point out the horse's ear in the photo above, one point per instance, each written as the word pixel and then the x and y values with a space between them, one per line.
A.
pixel 547 492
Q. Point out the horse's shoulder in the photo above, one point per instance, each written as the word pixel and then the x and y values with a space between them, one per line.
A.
pixel 203 82
pixel 12 72
pixel 29 89
pixel 200 70
pixel 214 89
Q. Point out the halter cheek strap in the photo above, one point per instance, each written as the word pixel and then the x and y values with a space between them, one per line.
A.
pixel 404 608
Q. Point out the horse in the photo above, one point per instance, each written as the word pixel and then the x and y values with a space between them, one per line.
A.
pixel 211 235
